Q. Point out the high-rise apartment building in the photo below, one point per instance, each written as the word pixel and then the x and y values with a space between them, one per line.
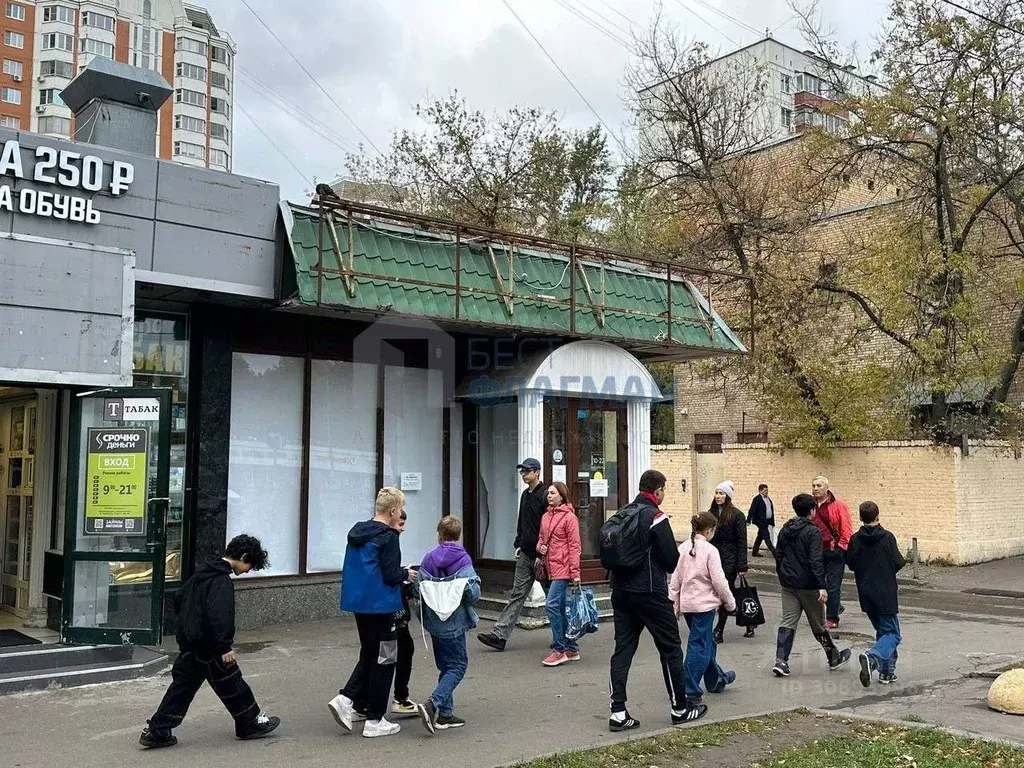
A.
pixel 46 43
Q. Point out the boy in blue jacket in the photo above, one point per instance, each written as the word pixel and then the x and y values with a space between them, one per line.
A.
pixel 449 587
pixel 371 588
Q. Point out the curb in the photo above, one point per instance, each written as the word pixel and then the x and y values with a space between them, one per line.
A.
pixel 904 581
pixel 959 733
pixel 996 593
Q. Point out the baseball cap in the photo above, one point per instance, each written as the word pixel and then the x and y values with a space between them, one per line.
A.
pixel 529 464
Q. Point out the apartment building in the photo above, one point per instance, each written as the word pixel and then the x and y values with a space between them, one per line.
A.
pixel 46 43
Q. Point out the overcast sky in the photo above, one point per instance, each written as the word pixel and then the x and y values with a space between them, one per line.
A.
pixel 377 58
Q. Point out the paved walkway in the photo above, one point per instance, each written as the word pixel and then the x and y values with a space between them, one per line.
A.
pixel 516 708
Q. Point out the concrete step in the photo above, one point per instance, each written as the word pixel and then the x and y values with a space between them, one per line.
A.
pixel 97 664
pixel 534 615
pixel 30 658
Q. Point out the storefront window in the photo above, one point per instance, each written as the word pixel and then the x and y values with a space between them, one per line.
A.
pixel 161 360
pixel 498 484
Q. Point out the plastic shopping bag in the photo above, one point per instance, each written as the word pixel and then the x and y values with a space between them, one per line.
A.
pixel 580 613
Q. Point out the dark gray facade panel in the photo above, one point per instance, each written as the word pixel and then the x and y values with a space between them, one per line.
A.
pixel 52 277
pixel 49 340
pixel 115 231
pixel 218 256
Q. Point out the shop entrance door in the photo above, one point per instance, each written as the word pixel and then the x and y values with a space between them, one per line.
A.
pixel 585 446
pixel 118 458
pixel 17 481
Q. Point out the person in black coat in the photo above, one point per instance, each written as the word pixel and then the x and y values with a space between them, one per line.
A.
pixel 731 542
pixel 762 516
pixel 875 559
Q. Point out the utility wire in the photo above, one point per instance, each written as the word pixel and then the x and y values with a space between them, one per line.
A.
pixel 612 24
pixel 610 35
pixel 273 143
pixel 705 21
pixel 613 9
pixel 729 17
pixel 566 77
pixel 983 17
pixel 311 77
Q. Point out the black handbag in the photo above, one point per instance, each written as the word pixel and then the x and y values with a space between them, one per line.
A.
pixel 749 612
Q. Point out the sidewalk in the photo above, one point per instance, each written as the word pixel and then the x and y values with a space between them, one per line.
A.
pixel 515 708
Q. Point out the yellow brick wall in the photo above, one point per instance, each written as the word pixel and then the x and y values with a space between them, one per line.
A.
pixel 990 490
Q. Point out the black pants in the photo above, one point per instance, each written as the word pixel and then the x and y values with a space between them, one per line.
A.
pixel 634 612
pixel 403 669
pixel 188 675
pixel 765 536
pixel 371 678
pixel 835 569
pixel 723 615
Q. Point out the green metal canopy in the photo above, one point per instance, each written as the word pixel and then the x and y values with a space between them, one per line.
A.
pixel 364 259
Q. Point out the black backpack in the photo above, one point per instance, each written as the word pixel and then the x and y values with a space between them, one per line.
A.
pixel 622 544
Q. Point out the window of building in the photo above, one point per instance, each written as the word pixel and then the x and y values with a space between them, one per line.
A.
pixel 145 47
pixel 785 83
pixel 191 70
pixel 56 68
pixel 98 21
pixel 57 125
pixel 220 106
pixel 58 41
pixel 194 151
pixel 220 55
pixel 220 158
pixel 188 123
pixel 10 95
pixel 750 438
pixel 218 131
pixel 14 68
pixel 14 39
pixel 59 13
pixel 191 45
pixel 50 96
pixel 707 442
pixel 185 96
pixel 96 47
pixel 787 118
pixel 220 80
pixel 15 11
pixel 7 121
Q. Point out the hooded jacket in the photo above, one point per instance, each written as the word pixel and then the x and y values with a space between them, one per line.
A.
pixel 446 560
pixel 531 509
pixel 798 559
pixel 372 576
pixel 875 559
pixel 560 530
pixel 833 519
pixel 651 576
pixel 731 539
pixel 449 562
pixel 206 614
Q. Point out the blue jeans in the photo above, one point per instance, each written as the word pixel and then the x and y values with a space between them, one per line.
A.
pixel 452 661
pixel 702 656
pixel 887 638
pixel 835 568
pixel 556 616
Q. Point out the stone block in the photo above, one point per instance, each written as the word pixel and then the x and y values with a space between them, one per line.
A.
pixel 1007 693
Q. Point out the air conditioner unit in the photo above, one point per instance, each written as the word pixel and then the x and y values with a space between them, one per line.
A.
pixel 40 108
pixel 41 79
pixel 17 78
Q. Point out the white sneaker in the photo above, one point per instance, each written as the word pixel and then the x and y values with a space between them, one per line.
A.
pixel 374 728
pixel 342 708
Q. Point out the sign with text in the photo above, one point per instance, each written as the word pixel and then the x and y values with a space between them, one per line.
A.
pixel 63 168
pixel 131 409
pixel 115 486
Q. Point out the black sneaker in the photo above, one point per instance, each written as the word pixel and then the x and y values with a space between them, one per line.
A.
pixel 626 724
pixel 719 636
pixel 781 669
pixel 156 739
pixel 690 714
pixel 844 656
pixel 867 666
pixel 887 679
pixel 444 722
pixel 749 632
pixel 258 728
pixel 428 714
pixel 491 641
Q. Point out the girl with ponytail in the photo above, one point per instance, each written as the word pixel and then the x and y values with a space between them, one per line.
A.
pixel 698 588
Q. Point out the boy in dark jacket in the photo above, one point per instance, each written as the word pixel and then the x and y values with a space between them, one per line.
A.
pixel 206 634
pixel 875 559
pixel 798 562
pixel 371 588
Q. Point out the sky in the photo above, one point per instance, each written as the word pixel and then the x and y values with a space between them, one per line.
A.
pixel 376 59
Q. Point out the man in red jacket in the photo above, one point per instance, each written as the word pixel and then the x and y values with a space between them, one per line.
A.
pixel 832 517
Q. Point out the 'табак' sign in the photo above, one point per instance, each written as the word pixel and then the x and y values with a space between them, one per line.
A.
pixel 115 486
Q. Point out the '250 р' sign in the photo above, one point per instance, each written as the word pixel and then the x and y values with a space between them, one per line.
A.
pixel 64 168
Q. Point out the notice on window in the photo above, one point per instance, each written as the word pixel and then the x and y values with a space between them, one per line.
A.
pixel 115 486
pixel 598 489
pixel 558 473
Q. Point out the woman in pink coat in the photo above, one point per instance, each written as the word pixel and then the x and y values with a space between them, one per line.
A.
pixel 697 589
pixel 559 543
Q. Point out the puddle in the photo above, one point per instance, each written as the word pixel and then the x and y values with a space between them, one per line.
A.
pixel 251 647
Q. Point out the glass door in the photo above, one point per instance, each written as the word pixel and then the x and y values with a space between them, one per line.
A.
pixel 115 531
pixel 17 467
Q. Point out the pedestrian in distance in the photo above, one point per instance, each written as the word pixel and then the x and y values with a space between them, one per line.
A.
pixel 798 562
pixel 731 542
pixel 875 559
pixel 560 546
pixel 832 517
pixel 762 517
pixel 449 587
pixel 206 636
pixel 698 588
pixel 639 550
pixel 532 505
pixel 371 588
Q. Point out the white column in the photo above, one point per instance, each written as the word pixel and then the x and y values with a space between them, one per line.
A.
pixel 531 425
pixel 42 503
pixel 638 429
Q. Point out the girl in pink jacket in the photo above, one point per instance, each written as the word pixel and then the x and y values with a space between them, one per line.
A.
pixel 559 543
pixel 697 588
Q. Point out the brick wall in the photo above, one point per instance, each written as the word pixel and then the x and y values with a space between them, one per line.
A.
pixel 964 509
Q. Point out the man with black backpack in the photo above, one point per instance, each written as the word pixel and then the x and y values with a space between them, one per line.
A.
pixel 639 550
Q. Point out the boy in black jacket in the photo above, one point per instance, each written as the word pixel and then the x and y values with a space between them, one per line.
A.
pixel 874 557
pixel 206 635
pixel 798 562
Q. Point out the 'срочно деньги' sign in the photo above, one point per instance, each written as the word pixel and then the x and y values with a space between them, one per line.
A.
pixel 64 168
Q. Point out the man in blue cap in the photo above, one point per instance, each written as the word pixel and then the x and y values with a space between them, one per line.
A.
pixel 532 504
